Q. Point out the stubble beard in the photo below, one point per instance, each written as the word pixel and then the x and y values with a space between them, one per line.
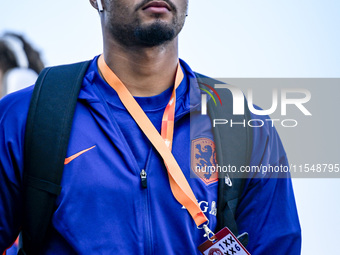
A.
pixel 151 35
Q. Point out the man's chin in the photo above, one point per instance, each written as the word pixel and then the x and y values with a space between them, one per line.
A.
pixel 155 34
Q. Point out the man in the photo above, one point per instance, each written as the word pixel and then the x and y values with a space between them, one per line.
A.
pixel 116 197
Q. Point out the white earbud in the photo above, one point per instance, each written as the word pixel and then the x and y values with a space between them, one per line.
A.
pixel 100 6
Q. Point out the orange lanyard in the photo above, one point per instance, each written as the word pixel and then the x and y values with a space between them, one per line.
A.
pixel 163 143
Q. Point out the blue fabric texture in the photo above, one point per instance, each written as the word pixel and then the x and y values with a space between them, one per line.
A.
pixel 103 208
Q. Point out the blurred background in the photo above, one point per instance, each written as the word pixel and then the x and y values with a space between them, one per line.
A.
pixel 221 38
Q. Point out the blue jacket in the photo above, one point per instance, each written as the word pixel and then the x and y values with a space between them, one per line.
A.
pixel 104 209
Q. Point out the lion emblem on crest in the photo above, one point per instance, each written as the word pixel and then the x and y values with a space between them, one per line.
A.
pixel 203 158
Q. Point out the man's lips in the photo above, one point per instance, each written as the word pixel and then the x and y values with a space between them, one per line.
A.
pixel 157 5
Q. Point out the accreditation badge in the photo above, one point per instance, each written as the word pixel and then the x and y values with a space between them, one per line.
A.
pixel 225 243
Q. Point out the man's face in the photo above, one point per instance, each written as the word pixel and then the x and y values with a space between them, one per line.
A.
pixel 145 23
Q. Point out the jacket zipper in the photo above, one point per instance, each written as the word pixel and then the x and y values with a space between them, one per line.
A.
pixel 146 214
pixel 143 179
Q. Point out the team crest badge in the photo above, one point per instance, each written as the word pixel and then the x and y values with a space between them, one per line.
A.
pixel 203 160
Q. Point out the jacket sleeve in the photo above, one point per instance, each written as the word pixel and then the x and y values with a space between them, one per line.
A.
pixel 267 209
pixel 13 112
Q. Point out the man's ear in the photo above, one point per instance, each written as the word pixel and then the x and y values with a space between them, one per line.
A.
pixel 97 4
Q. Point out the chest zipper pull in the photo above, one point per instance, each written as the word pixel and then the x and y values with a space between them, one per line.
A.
pixel 143 178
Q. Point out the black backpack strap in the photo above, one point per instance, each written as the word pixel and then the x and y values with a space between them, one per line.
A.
pixel 48 129
pixel 234 148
